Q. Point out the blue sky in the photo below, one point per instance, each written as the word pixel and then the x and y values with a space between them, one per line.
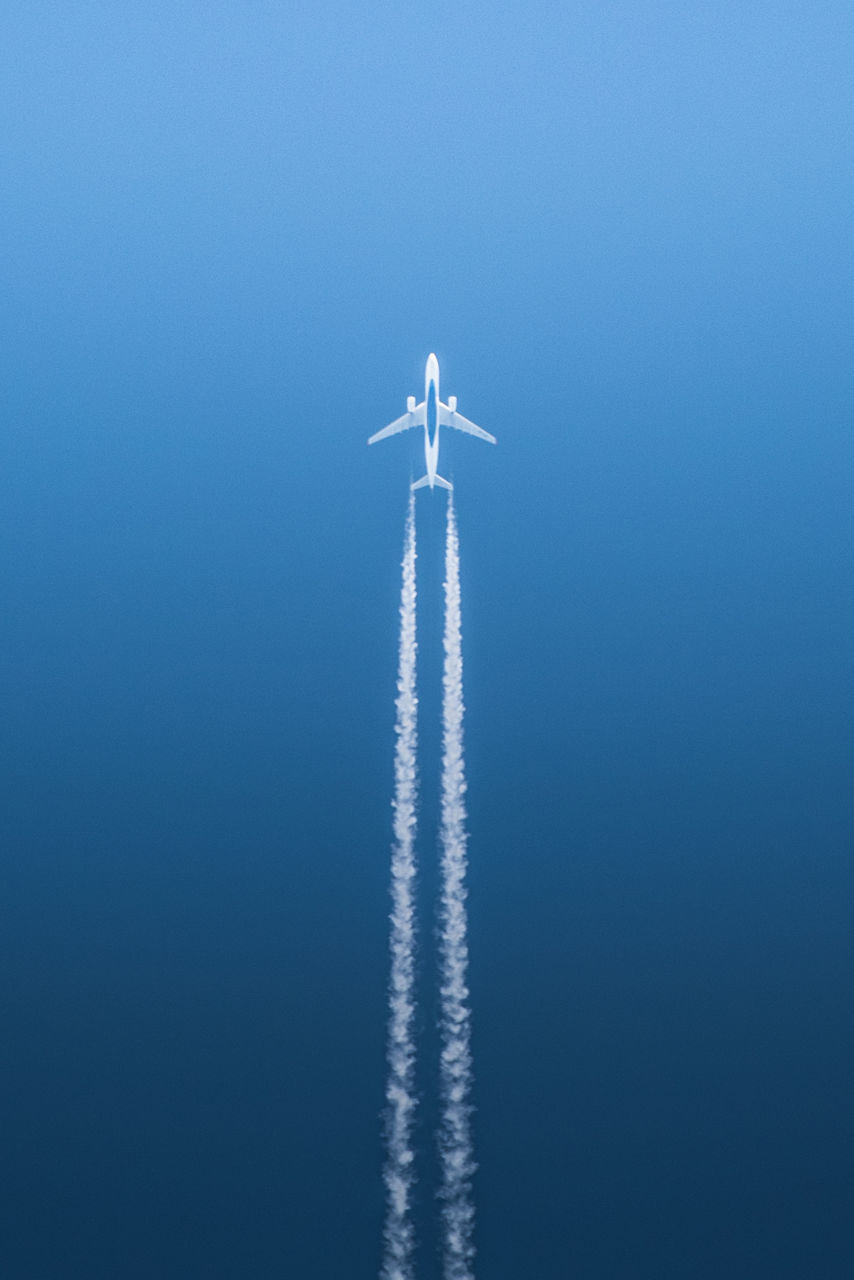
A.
pixel 231 235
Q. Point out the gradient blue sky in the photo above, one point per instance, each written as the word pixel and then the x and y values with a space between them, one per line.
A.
pixel 231 234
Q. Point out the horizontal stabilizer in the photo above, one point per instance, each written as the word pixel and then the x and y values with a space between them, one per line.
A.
pixel 425 480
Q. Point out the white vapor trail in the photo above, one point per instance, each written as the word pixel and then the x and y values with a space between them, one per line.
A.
pixel 455 1141
pixel 400 1087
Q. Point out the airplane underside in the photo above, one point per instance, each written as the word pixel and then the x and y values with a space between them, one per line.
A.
pixel 432 414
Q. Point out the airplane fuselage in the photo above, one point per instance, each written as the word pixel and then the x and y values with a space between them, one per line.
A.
pixel 431 424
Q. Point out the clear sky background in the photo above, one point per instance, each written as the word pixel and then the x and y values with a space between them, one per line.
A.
pixel 231 234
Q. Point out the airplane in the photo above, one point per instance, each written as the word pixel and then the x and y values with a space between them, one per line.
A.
pixel 431 414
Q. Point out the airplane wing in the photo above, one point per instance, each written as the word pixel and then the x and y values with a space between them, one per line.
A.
pixel 416 418
pixel 450 418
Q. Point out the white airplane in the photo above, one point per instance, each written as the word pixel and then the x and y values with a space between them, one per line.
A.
pixel 431 414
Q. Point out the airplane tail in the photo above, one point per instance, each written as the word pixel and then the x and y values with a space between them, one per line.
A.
pixel 443 484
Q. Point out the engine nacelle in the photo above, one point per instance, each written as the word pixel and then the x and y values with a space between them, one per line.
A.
pixel 410 404
pixel 452 403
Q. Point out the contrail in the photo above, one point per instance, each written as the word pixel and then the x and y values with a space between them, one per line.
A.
pixel 455 1141
pixel 400 1088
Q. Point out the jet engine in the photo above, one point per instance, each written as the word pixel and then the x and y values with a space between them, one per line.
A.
pixel 452 403
pixel 410 404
